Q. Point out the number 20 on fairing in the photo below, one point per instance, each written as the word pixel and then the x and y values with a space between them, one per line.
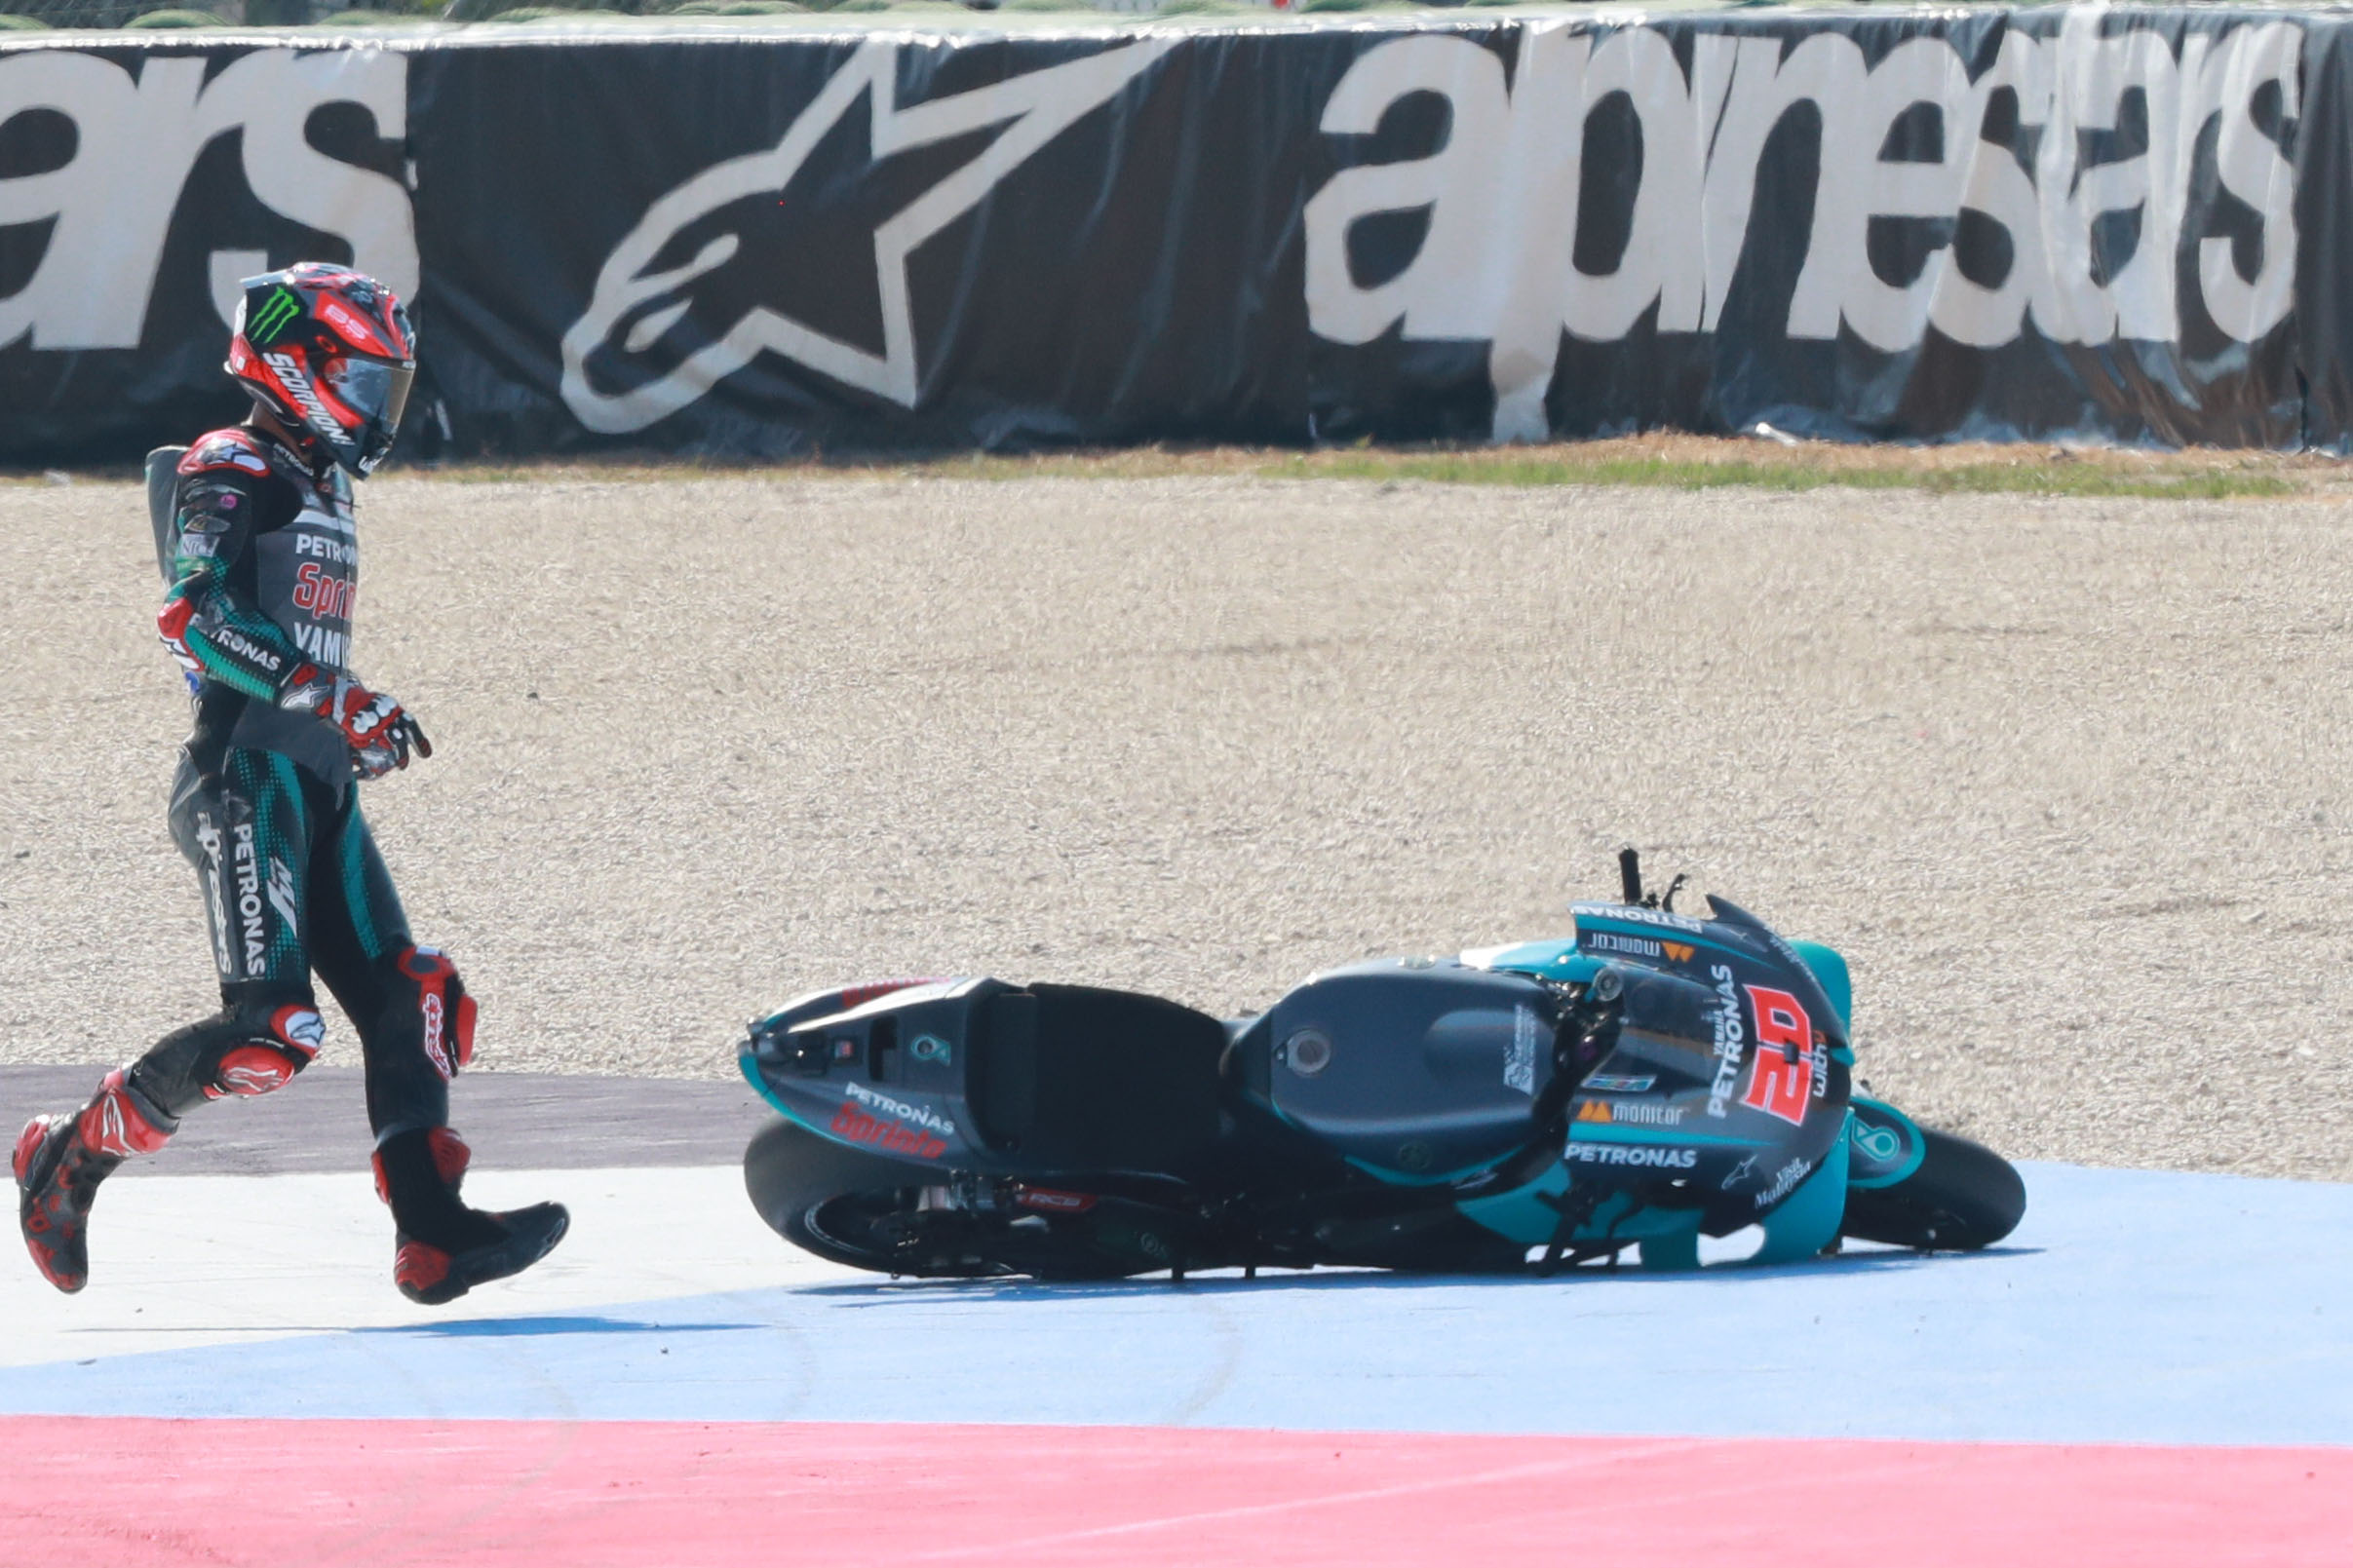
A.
pixel 1782 1080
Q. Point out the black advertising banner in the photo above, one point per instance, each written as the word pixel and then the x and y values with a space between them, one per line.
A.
pixel 137 186
pixel 859 241
pixel 2085 221
pixel 1973 225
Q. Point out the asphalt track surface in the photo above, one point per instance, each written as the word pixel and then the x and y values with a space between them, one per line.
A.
pixel 519 1121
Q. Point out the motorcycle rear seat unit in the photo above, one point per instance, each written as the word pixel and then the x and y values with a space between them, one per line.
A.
pixel 1084 1077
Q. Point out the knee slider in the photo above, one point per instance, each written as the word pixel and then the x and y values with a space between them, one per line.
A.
pixel 268 1058
pixel 443 1005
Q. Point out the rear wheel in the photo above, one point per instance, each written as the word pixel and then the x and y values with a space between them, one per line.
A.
pixel 847 1206
pixel 1961 1197
pixel 891 1216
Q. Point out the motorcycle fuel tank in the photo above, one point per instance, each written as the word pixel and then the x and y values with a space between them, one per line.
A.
pixel 1415 1070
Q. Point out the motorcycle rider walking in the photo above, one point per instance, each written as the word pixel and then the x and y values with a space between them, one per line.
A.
pixel 264 560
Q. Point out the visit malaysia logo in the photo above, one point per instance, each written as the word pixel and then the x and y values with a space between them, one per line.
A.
pixel 646 306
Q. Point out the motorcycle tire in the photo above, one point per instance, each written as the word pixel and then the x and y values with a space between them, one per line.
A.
pixel 834 1201
pixel 1963 1197
pixel 859 1209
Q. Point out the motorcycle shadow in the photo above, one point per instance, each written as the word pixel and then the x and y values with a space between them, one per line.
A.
pixel 1856 1263
pixel 537 1327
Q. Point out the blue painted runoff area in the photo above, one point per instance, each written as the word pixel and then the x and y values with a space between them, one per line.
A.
pixel 2130 1307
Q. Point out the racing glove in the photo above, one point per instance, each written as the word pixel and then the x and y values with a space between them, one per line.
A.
pixel 378 730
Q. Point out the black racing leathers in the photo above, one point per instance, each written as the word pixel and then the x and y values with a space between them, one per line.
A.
pixel 263 562
pixel 261 558
pixel 294 888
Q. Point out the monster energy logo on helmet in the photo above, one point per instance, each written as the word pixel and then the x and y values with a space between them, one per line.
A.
pixel 265 326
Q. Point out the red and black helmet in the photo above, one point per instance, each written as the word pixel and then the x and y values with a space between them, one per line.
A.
pixel 329 351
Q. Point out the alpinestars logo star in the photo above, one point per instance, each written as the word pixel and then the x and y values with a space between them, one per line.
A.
pixel 635 303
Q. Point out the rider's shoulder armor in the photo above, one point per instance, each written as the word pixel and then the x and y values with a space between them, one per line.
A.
pixel 235 450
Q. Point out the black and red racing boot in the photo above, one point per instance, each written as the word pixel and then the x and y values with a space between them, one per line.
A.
pixel 431 1277
pixel 60 1161
pixel 418 1174
pixel 57 1180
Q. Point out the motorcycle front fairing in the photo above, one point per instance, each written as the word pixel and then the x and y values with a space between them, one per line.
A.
pixel 1725 1101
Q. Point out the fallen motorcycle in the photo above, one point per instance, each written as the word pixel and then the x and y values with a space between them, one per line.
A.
pixel 1654 1079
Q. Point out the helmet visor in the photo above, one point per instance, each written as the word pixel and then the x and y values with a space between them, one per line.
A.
pixel 378 391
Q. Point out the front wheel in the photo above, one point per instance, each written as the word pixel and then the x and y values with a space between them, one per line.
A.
pixel 1960 1196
